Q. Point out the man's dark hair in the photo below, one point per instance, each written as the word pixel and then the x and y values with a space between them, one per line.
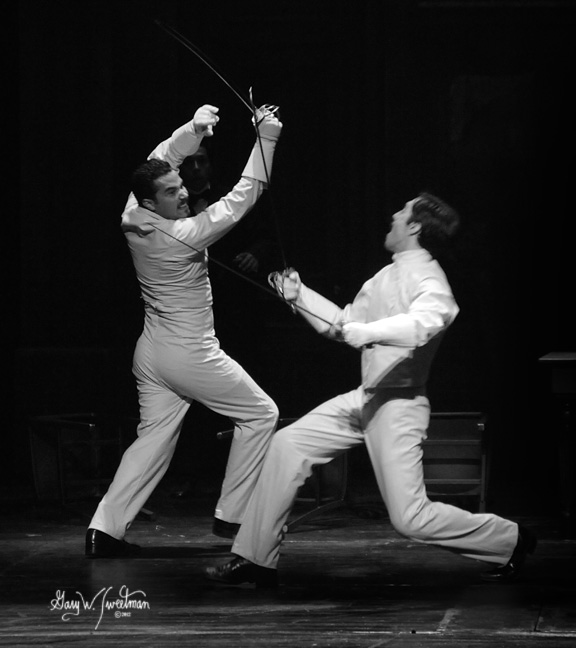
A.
pixel 438 220
pixel 144 177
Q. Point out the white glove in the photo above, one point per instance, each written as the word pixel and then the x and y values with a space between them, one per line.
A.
pixel 259 165
pixel 269 126
pixel 205 118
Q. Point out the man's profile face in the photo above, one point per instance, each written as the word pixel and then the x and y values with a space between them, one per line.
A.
pixel 401 230
pixel 171 198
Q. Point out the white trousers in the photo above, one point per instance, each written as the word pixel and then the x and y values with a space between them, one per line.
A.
pixel 393 429
pixel 173 367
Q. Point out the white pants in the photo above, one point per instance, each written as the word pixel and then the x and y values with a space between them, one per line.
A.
pixel 393 429
pixel 174 367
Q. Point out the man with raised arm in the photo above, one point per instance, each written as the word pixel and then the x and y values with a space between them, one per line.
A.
pixel 178 358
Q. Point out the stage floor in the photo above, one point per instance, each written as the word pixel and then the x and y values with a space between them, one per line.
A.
pixel 347 579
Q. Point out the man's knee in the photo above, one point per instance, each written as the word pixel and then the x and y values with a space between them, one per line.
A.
pixel 282 447
pixel 272 412
pixel 412 525
pixel 282 441
pixel 260 420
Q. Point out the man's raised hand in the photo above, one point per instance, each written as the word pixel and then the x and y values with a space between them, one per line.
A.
pixel 205 118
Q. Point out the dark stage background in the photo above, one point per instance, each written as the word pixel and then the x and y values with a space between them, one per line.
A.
pixel 380 99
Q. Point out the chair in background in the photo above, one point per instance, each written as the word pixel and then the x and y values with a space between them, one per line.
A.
pixel 455 464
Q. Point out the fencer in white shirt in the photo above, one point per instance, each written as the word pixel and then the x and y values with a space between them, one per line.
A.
pixel 397 321
pixel 178 358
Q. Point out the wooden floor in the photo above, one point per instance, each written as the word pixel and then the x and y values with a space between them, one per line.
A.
pixel 347 579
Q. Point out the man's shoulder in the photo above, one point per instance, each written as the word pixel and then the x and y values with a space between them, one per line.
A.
pixel 138 219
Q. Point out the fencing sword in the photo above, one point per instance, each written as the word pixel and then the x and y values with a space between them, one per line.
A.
pixel 248 103
pixel 274 278
pixel 171 31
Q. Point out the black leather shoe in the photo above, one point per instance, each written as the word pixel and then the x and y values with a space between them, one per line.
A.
pixel 240 571
pixel 225 529
pixel 526 544
pixel 102 545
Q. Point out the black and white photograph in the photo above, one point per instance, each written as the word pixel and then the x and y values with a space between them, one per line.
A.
pixel 290 336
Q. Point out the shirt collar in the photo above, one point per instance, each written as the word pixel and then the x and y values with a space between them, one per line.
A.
pixel 410 256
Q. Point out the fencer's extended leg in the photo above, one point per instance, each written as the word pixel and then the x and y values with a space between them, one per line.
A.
pixel 143 464
pixel 316 438
pixel 395 430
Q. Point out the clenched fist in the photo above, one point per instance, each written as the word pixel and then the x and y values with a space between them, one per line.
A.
pixel 205 118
